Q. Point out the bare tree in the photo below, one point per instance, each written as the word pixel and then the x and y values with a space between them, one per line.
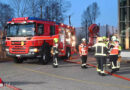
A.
pixel 89 16
pixel 95 12
pixel 6 12
pixel 55 10
pixel 21 7
pixel 34 8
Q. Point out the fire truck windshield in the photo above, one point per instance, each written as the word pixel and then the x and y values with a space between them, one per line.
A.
pixel 20 30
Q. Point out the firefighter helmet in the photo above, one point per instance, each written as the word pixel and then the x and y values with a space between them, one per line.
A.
pixel 100 39
pixel 113 38
pixel 55 40
pixel 104 37
pixel 83 39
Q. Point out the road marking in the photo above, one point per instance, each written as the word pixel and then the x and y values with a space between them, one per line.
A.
pixel 115 75
pixel 73 79
pixel 12 87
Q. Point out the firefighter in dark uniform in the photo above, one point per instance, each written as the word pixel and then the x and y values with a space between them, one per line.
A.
pixel 100 54
pixel 83 51
pixel 54 52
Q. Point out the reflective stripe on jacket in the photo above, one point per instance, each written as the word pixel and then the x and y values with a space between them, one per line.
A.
pixel 83 49
pixel 100 49
pixel 55 49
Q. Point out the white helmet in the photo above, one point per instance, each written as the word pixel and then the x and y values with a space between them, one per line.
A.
pixel 83 39
pixel 114 38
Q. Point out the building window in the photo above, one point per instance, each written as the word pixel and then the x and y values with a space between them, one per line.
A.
pixel 123 2
pixel 123 29
pixel 129 13
pixel 40 29
pixel 123 14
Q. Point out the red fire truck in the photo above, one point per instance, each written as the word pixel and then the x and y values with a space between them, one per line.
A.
pixel 30 37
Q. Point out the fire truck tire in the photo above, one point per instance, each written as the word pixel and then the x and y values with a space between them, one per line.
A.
pixel 18 60
pixel 68 53
pixel 46 55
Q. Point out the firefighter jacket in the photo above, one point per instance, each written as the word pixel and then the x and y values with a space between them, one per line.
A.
pixel 115 48
pixel 54 49
pixel 83 49
pixel 106 43
pixel 100 49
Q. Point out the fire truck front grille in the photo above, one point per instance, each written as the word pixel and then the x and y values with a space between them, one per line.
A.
pixel 19 49
pixel 18 43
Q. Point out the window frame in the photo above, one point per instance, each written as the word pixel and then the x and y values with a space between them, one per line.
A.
pixel 43 28
pixel 52 29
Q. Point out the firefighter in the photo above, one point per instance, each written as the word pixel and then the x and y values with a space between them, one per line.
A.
pixel 54 52
pixel 83 51
pixel 115 50
pixel 106 42
pixel 100 54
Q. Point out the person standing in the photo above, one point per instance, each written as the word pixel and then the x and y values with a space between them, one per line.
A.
pixel 115 49
pixel 100 54
pixel 83 51
pixel 55 52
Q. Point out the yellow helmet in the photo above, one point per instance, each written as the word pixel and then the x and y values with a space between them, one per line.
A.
pixel 104 37
pixel 55 40
pixel 100 39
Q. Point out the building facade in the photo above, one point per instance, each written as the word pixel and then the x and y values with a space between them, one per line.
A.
pixel 124 23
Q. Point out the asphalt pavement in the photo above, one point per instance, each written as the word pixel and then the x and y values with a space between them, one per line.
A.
pixel 30 75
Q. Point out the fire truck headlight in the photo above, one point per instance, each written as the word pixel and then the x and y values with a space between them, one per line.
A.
pixel 7 50
pixel 33 50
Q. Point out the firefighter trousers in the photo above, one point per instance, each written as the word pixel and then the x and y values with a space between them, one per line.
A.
pixel 84 59
pixel 101 61
pixel 55 59
pixel 113 60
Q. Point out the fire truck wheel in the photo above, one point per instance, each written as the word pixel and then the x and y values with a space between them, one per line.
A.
pixel 18 60
pixel 45 56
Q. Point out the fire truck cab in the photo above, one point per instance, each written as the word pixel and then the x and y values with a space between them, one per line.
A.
pixel 31 37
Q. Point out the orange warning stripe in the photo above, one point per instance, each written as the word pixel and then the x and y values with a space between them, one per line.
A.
pixel 12 87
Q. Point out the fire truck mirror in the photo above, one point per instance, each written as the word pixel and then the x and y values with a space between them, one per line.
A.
pixel 60 45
